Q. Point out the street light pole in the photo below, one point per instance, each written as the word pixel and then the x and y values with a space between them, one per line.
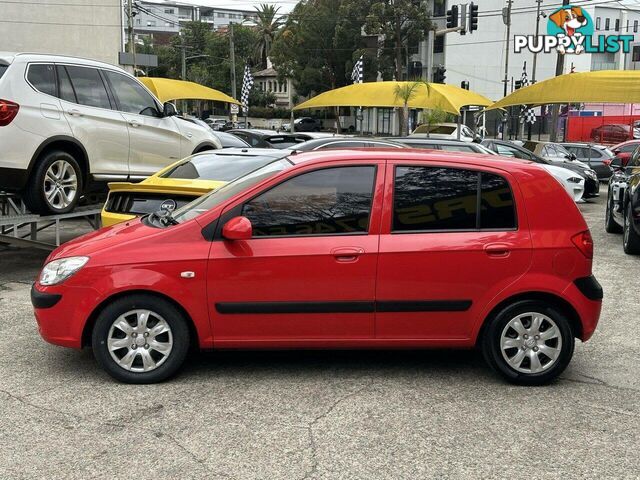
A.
pixel 555 109
pixel 232 57
pixel 507 21
pixel 535 55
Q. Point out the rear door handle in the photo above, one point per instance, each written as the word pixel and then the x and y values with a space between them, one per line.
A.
pixel 497 250
pixel 75 112
pixel 347 254
pixel 134 123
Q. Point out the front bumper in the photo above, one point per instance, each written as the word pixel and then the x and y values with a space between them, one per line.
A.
pixel 62 312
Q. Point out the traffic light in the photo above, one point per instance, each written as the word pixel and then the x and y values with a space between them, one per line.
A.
pixel 452 17
pixel 473 17
pixel 464 84
pixel 439 74
pixel 518 84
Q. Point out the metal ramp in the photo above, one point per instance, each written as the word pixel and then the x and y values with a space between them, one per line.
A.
pixel 20 228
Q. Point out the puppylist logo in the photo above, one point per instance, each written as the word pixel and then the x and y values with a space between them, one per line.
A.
pixel 570 30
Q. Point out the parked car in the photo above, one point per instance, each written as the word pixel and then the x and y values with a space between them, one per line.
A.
pixel 228 140
pixel 66 123
pixel 304 124
pixel 269 139
pixel 332 250
pixel 440 144
pixel 623 202
pixel 182 182
pixel 624 150
pixel 216 123
pixel 561 157
pixel 446 131
pixel 597 157
pixel 612 133
pixel 345 142
pixel 572 181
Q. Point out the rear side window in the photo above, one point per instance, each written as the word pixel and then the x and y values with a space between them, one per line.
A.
pixel 88 86
pixel 447 199
pixel 331 201
pixel 43 78
pixel 3 68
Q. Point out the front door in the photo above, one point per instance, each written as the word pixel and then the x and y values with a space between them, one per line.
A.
pixel 155 140
pixel 451 239
pixel 308 273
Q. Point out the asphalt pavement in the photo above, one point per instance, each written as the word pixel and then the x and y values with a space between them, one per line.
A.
pixel 323 414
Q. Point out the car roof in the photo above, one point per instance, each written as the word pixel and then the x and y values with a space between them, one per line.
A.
pixel 25 57
pixel 245 152
pixel 411 155
pixel 427 141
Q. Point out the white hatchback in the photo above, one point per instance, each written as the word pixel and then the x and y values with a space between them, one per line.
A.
pixel 68 123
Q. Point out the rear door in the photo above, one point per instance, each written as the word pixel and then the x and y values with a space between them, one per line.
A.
pixel 155 140
pixel 451 239
pixel 94 120
pixel 308 273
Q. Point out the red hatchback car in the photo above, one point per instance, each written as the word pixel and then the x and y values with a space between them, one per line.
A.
pixel 340 249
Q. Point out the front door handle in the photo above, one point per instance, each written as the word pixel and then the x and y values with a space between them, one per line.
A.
pixel 497 249
pixel 75 112
pixel 347 254
pixel 134 123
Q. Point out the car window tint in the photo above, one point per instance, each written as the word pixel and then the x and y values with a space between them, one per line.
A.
pixel 497 208
pixel 221 167
pixel 88 86
pixel 434 198
pixel 131 96
pixel 65 90
pixel 323 202
pixel 3 68
pixel 457 148
pixel 43 78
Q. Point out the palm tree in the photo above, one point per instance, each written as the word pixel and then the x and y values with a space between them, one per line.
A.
pixel 267 26
pixel 405 91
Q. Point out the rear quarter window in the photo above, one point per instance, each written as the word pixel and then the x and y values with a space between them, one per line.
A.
pixel 43 78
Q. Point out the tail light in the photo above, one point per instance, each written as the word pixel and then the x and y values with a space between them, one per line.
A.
pixel 607 161
pixel 8 111
pixel 584 243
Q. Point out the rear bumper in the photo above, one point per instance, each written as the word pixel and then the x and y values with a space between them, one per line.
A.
pixel 591 188
pixel 585 295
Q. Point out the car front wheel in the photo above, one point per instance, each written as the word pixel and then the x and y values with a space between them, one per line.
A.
pixel 140 339
pixel 528 343
pixel 610 225
pixel 630 238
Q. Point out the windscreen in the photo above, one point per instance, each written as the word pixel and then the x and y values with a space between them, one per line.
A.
pixel 217 166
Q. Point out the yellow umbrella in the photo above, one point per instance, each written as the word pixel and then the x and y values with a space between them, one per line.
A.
pixel 605 86
pixel 382 94
pixel 167 89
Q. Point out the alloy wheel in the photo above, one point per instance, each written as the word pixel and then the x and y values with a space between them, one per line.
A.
pixel 531 342
pixel 60 184
pixel 140 340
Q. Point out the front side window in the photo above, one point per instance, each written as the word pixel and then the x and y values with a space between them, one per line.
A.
pixel 43 78
pixel 88 86
pixel 428 199
pixel 131 96
pixel 331 201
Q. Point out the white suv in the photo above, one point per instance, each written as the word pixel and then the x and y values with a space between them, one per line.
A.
pixel 68 123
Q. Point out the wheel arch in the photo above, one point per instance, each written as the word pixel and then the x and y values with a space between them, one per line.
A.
pixel 91 320
pixel 554 300
pixel 67 144
pixel 203 147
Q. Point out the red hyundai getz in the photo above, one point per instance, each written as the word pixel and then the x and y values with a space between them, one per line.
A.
pixel 340 249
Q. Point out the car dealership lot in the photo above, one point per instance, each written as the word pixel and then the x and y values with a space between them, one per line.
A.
pixel 323 414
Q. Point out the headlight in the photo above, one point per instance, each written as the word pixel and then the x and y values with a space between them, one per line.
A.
pixel 592 174
pixel 574 179
pixel 59 270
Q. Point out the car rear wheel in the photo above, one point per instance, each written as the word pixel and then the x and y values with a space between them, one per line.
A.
pixel 528 343
pixel 630 238
pixel 610 225
pixel 140 339
pixel 56 184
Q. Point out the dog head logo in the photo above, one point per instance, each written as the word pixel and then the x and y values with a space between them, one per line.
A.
pixel 571 25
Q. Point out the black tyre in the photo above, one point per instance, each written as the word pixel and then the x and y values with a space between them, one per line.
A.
pixel 55 185
pixel 528 343
pixel 630 238
pixel 140 339
pixel 610 225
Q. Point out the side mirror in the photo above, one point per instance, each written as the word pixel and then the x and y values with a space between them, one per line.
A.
pixel 169 109
pixel 571 157
pixel 616 163
pixel 238 228
pixel 477 138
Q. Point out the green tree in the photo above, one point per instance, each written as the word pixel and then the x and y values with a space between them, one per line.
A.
pixel 406 91
pixel 433 116
pixel 267 26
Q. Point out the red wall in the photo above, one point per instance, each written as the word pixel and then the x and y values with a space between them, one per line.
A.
pixel 579 128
